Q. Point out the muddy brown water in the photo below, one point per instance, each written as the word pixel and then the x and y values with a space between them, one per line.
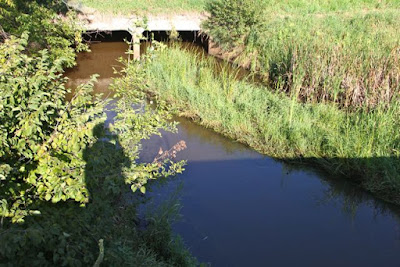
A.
pixel 241 208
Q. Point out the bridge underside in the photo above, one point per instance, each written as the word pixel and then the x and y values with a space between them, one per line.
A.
pixel 188 24
pixel 136 37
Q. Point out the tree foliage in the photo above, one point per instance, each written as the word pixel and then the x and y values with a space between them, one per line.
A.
pixel 59 33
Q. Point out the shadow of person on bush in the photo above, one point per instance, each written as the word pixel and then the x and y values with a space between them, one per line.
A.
pixel 66 234
pixel 105 160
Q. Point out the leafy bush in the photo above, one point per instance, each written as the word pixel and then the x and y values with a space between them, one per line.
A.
pixel 60 35
pixel 231 21
pixel 42 136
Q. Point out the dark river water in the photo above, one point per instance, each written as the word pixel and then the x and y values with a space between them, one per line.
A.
pixel 241 208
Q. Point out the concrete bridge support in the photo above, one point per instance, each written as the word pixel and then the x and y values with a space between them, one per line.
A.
pixel 177 22
pixel 137 34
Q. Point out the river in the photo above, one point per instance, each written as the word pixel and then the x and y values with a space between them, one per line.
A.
pixel 241 208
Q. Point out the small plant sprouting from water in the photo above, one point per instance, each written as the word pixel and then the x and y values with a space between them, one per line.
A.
pixel 173 35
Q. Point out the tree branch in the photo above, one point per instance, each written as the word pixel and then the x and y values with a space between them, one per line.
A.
pixel 3 34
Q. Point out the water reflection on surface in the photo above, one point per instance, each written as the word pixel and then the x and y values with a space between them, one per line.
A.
pixel 101 60
pixel 241 208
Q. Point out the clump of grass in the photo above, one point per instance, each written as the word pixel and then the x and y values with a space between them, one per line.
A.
pixel 353 62
pixel 364 146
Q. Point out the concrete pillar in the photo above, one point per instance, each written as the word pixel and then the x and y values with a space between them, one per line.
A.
pixel 136 37
pixel 136 47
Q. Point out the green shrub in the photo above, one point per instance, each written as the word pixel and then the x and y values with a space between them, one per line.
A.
pixel 40 145
pixel 61 36
pixel 231 21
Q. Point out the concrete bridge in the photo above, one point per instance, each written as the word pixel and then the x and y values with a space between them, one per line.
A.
pixel 185 22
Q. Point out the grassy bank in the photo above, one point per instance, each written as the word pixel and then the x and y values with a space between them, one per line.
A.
pixel 347 58
pixel 149 6
pixel 361 146
pixel 273 6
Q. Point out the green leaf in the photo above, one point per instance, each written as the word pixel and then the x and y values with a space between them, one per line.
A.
pixel 143 189
pixel 134 188
pixel 47 197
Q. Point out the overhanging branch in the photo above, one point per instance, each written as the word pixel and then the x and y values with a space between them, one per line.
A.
pixel 3 34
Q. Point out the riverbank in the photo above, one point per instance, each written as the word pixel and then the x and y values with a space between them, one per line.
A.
pixel 333 56
pixel 360 146
pixel 129 7
pixel 282 8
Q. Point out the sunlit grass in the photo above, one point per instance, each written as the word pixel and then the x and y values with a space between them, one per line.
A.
pixel 350 59
pixel 289 6
pixel 148 6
